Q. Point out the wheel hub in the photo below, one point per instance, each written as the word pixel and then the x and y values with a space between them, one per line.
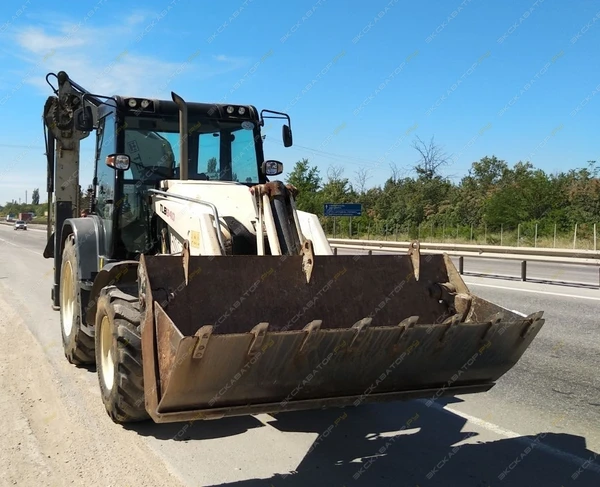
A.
pixel 106 359
pixel 67 299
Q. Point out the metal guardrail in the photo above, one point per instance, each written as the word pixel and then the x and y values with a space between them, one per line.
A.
pixel 523 254
pixel 469 248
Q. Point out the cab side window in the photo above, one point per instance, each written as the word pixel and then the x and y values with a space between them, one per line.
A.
pixel 106 175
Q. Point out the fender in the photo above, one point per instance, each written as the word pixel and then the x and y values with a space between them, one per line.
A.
pixel 89 244
pixel 123 272
pixel 88 235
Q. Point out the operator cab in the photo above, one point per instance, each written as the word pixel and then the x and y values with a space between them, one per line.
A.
pixel 224 143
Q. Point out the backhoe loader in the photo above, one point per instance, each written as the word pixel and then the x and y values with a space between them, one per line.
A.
pixel 200 291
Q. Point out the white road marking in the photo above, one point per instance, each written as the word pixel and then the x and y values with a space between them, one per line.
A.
pixel 532 291
pixel 494 428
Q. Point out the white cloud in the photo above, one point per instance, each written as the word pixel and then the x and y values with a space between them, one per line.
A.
pixel 107 59
pixel 35 41
pixel 137 17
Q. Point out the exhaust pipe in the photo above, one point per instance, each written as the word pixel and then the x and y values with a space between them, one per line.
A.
pixel 183 136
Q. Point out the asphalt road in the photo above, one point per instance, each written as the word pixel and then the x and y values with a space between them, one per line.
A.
pixel 540 425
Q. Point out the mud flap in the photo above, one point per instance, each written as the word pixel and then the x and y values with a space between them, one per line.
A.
pixel 237 335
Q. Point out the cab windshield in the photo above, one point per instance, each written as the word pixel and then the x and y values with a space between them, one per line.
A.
pixel 218 151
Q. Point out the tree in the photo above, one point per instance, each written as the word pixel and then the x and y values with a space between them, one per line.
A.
pixel 211 165
pixel 395 171
pixel 308 182
pixel 362 176
pixel 489 172
pixel 432 157
pixel 337 189
pixel 306 179
pixel 35 197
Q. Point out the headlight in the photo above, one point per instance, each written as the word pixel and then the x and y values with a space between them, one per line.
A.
pixel 241 110
pixel 230 109
pixel 145 103
pixel 132 102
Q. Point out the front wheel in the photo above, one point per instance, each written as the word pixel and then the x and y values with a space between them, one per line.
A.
pixel 78 347
pixel 119 355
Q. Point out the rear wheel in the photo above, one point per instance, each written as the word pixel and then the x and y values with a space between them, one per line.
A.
pixel 78 347
pixel 119 355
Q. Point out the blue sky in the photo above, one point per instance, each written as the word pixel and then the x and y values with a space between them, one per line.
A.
pixel 517 79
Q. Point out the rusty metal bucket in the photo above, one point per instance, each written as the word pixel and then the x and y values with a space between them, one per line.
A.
pixel 236 335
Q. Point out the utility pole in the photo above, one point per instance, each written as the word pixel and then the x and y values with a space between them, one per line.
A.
pixel 25 196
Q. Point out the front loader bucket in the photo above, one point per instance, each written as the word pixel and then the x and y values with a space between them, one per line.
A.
pixel 236 335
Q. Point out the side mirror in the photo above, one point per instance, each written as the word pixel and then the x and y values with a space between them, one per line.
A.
pixel 287 136
pixel 120 162
pixel 272 168
pixel 84 119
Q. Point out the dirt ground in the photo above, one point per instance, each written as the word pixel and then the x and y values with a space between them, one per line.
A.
pixel 52 433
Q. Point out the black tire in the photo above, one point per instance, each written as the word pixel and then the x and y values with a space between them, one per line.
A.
pixel 119 309
pixel 78 347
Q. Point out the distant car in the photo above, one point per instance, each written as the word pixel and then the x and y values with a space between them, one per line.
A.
pixel 20 224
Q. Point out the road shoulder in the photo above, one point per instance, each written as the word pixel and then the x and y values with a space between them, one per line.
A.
pixel 48 439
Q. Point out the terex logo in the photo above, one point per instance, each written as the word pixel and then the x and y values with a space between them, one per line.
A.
pixel 165 211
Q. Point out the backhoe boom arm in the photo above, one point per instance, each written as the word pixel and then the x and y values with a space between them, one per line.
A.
pixel 63 153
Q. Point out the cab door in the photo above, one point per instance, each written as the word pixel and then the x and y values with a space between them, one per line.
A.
pixel 105 179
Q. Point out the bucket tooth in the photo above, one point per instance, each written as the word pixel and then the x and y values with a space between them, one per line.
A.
pixel 415 257
pixel 308 259
pixel 259 332
pixel 405 326
pixel 497 318
pixel 203 335
pixel 532 322
pixel 492 323
pixel 487 331
pixel 312 330
pixel 450 327
pixel 408 322
pixel 535 316
pixel 453 320
pixel 185 256
pixel 360 329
